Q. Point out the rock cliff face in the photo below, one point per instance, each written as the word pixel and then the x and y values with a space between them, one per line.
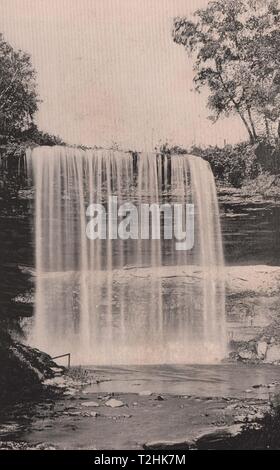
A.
pixel 23 370
pixel 253 313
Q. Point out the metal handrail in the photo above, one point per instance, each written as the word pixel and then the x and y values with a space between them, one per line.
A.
pixel 64 355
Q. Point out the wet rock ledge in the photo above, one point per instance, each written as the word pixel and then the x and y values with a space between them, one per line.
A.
pixel 263 433
pixel 24 371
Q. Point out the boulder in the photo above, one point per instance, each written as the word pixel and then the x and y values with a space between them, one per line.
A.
pixel 274 400
pixel 261 349
pixel 145 393
pixel 273 354
pixel 180 444
pixel 219 439
pixel 112 403
pixel 91 404
pixel 246 355
pixel 159 398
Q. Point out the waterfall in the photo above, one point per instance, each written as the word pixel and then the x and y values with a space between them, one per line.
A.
pixel 136 301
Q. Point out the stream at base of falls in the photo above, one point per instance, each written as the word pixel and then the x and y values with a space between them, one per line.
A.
pixel 154 404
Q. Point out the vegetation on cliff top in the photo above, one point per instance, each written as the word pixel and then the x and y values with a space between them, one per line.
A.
pixel 19 100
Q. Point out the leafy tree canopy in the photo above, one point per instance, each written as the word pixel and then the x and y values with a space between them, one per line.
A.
pixel 236 44
pixel 18 96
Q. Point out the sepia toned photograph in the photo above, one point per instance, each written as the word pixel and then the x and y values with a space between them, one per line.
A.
pixel 139 229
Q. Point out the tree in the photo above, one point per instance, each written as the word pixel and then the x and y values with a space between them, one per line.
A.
pixel 237 55
pixel 33 134
pixel 18 96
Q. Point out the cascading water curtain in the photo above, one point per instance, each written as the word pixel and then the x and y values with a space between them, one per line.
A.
pixel 136 301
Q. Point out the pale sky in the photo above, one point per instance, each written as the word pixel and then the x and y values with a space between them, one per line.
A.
pixel 108 71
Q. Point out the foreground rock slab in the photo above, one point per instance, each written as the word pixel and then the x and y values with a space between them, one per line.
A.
pixel 112 403
pixel 181 444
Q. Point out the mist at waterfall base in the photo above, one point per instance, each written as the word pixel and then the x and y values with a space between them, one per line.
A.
pixel 112 302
